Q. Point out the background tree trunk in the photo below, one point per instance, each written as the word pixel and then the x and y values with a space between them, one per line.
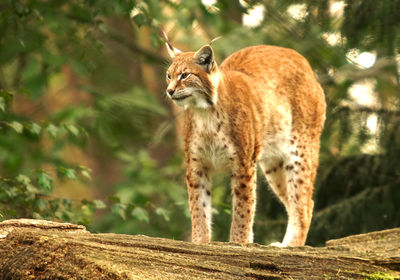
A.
pixel 36 249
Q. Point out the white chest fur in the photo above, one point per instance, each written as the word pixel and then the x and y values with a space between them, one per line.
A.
pixel 210 143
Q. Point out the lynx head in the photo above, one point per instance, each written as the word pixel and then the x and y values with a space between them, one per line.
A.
pixel 192 77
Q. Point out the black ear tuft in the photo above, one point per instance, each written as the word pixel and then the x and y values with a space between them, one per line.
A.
pixel 172 51
pixel 205 57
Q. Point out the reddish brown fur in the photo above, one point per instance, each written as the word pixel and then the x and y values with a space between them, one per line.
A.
pixel 262 105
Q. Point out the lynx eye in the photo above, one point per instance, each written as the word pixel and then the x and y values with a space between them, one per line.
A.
pixel 184 76
pixel 168 76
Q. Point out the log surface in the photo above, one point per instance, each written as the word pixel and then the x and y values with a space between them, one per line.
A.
pixel 36 249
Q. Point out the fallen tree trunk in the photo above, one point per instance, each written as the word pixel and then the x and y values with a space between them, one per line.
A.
pixel 36 249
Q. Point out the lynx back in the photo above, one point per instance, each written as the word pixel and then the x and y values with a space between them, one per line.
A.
pixel 262 105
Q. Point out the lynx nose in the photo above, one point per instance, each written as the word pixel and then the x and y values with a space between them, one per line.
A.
pixel 170 91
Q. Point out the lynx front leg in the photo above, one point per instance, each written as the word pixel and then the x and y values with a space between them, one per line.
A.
pixel 199 190
pixel 243 204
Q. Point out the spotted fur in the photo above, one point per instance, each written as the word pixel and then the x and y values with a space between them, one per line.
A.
pixel 262 105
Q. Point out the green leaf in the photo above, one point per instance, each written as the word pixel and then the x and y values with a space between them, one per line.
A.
pixel 52 130
pixel 45 181
pixel 88 208
pixel 18 127
pixel 70 173
pixel 99 204
pixel 31 191
pixel 140 19
pixel 36 215
pixel 12 192
pixel 114 198
pixel 36 85
pixel 23 179
pixel 67 203
pixel 81 12
pixel 35 128
pixel 55 60
pixel 119 209
pixel 154 38
pixel 7 97
pixel 140 214
pixel 31 70
pixel 59 215
pixel 164 213
pixel 85 172
pixel 228 211
pixel 42 205
pixel 72 129
pixel 67 172
pixel 81 69
pixel 54 204
pixel 2 104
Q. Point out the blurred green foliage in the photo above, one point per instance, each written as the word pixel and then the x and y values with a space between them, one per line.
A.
pixel 89 74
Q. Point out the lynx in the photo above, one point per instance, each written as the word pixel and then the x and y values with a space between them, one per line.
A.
pixel 262 105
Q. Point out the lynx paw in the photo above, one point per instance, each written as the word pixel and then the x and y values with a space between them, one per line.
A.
pixel 277 244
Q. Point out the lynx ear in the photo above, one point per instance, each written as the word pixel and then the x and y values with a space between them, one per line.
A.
pixel 172 51
pixel 205 57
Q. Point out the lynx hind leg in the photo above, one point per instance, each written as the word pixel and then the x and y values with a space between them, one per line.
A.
pixel 291 180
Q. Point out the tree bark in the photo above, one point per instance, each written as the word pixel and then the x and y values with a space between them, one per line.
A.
pixel 36 249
